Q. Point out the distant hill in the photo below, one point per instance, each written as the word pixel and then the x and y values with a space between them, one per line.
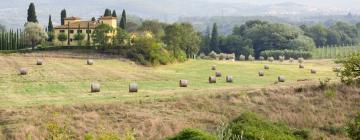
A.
pixel 13 13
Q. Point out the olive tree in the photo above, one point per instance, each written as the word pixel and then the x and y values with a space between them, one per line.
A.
pixel 34 34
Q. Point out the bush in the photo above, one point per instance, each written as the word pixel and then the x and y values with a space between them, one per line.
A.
pixel 350 74
pixel 251 127
pixel 192 134
pixel 286 53
pixel 353 128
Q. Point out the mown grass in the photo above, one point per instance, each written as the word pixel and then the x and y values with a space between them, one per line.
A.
pixel 67 81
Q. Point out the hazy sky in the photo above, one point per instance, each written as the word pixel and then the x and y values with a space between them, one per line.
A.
pixel 318 3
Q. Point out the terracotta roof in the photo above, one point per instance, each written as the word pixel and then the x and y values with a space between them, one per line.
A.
pixel 82 24
pixel 107 17
pixel 72 18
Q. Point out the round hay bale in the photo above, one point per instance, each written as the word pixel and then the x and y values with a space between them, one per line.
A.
pixel 281 78
pixel 39 62
pixel 301 66
pixel 90 62
pixel 261 58
pixel 313 71
pixel 281 58
pixel 213 67
pixel 95 87
pixel 291 60
pixel 301 60
pixel 242 58
pixel 251 58
pixel 261 73
pixel 218 74
pixel 270 59
pixel 266 66
pixel 229 79
pixel 183 83
pixel 133 87
pixel 212 79
pixel 23 71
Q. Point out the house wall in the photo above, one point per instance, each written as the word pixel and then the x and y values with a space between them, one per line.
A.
pixel 71 37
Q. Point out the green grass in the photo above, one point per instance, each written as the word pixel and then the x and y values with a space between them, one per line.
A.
pixel 67 81
pixel 335 52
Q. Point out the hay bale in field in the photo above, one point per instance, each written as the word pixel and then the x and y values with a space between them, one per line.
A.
pixel 313 71
pixel 212 79
pixel 229 79
pixel 261 58
pixel 266 66
pixel 291 60
pixel 270 59
pixel 183 83
pixel 251 58
pixel 133 87
pixel 301 66
pixel 95 87
pixel 90 62
pixel 281 78
pixel 218 74
pixel 39 62
pixel 281 58
pixel 301 60
pixel 213 67
pixel 23 71
pixel 242 58
pixel 261 73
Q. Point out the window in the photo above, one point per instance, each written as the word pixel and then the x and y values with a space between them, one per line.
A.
pixel 88 31
pixel 71 31
pixel 62 31
pixel 79 31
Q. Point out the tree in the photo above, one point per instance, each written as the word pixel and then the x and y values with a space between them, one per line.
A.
pixel 214 42
pixel 2 28
pixel 31 13
pixel 62 37
pixel 79 37
pixel 114 13
pixel 93 19
pixel 236 44
pixel 101 37
pixel 155 27
pixel 351 72
pixel 63 16
pixel 123 20
pixel 50 25
pixel 34 34
pixel 205 48
pixel 107 13
pixel 131 27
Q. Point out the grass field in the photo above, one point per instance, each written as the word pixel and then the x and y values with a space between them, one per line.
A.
pixel 67 80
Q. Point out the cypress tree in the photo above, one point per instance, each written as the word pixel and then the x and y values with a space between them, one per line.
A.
pixel 31 13
pixel 214 42
pixel 50 25
pixel 114 13
pixel 68 31
pixel 107 13
pixel 63 16
pixel 123 20
pixel 88 34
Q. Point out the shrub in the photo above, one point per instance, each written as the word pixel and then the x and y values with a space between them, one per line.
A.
pixel 251 127
pixel 286 53
pixel 350 74
pixel 192 134
pixel 353 128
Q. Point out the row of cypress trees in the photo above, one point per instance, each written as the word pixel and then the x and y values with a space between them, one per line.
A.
pixel 12 40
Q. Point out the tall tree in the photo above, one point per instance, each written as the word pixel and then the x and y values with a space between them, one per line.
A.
pixel 107 13
pixel 123 20
pixel 114 13
pixel 31 13
pixel 93 19
pixel 50 25
pixel 214 42
pixel 63 16
pixel 35 34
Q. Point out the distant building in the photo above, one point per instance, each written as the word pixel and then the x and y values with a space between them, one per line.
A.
pixel 74 25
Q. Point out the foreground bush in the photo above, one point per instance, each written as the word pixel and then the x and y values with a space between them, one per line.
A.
pixel 251 127
pixel 287 53
pixel 354 128
pixel 192 134
pixel 350 74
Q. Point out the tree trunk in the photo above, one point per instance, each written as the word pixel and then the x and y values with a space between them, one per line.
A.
pixel 33 45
